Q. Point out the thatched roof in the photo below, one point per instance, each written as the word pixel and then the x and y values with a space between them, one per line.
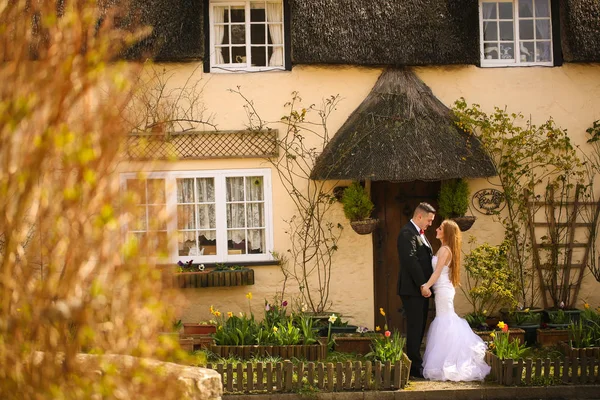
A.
pixel 580 23
pixel 401 132
pixel 364 32
pixel 385 32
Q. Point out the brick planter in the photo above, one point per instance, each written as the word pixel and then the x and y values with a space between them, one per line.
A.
pixel 551 337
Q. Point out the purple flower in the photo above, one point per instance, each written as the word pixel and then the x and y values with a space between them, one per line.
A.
pixel 284 304
pixel 180 263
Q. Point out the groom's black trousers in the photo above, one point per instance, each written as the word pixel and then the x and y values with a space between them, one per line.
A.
pixel 415 309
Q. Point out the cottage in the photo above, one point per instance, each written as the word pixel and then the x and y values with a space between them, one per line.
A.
pixel 397 67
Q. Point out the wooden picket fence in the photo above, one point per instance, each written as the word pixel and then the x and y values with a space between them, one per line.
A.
pixel 287 377
pixel 564 370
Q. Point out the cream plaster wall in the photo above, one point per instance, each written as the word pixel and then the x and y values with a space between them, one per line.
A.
pixel 569 94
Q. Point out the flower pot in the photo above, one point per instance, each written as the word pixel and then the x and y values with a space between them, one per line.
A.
pixel 464 223
pixel 551 337
pixel 513 334
pixel 353 343
pixel 198 329
pixel 573 315
pixel 530 333
pixel 365 226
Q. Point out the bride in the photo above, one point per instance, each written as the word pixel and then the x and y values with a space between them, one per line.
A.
pixel 453 351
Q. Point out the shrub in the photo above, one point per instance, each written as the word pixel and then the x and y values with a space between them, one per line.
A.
pixel 356 201
pixel 453 199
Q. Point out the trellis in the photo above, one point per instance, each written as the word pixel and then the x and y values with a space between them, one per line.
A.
pixel 561 281
pixel 197 145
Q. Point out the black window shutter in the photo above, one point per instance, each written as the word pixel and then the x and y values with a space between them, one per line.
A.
pixel 556 35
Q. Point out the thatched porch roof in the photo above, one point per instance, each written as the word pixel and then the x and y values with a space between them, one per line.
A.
pixel 401 132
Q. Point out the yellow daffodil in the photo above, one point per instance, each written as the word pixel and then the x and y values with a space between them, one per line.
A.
pixel 275 329
pixel 382 312
pixel 492 335
pixel 249 296
pixel 332 319
pixel 526 310
pixel 217 313
pixel 484 312
pixel 212 310
pixel 501 324
pixel 586 306
pixel 230 314
pixel 377 329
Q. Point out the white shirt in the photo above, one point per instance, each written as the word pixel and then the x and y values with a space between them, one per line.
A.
pixel 422 235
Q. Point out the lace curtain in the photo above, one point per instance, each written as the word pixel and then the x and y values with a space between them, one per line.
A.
pixel 275 20
pixel 219 18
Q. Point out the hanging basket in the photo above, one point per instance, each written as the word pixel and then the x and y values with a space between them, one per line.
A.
pixel 364 226
pixel 464 223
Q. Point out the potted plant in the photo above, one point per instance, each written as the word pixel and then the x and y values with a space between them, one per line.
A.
pixel 453 203
pixel 357 208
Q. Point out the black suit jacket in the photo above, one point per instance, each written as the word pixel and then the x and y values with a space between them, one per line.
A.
pixel 415 261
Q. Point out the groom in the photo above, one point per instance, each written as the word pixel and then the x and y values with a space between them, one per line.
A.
pixel 415 269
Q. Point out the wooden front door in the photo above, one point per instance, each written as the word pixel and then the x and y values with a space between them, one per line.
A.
pixel 394 206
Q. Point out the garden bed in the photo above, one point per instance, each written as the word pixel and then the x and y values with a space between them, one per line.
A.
pixel 311 352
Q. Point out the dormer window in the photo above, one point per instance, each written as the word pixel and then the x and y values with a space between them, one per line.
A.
pixel 246 35
pixel 516 33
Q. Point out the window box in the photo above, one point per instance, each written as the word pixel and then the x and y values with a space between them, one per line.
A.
pixel 240 277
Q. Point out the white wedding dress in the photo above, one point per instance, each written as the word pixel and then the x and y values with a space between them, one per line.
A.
pixel 453 352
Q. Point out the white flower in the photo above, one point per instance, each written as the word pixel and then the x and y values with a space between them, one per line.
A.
pixel 332 319
pixel 201 267
pixel 562 304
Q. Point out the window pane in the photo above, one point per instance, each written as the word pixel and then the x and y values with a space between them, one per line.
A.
pixel 226 17
pixel 542 8
pixel 157 217
pixel 257 13
pixel 206 216
pixel 236 242
pixel 490 30
pixel 139 219
pixel 525 8
pixel 186 217
pixel 544 51
pixel 156 191
pixel 238 14
pixel 258 34
pixel 507 51
pixel 235 216
pixel 254 188
pixel 255 215
pixel 491 51
pixel 526 29
pixel 206 190
pixel 138 188
pixel 187 244
pixel 542 27
pixel 256 241
pixel 506 30
pixel 259 57
pixel 238 55
pixel 185 190
pixel 527 51
pixel 224 34
pixel 505 10
pixel 238 34
pixel 208 242
pixel 235 189
pixel 489 10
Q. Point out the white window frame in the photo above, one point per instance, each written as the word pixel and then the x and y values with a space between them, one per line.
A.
pixel 219 176
pixel 231 67
pixel 516 62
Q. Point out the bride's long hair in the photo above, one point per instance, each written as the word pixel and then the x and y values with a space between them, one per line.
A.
pixel 453 239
